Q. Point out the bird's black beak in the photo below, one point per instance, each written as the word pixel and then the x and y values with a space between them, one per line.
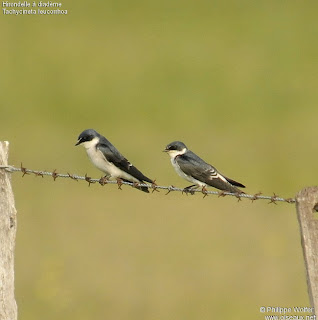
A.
pixel 165 150
pixel 78 142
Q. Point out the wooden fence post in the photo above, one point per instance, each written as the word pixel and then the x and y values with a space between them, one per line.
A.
pixel 307 204
pixel 8 226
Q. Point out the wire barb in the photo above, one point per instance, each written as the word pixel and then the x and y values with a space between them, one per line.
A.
pixel 154 186
pixel 204 191
pixel 119 183
pixel 256 196
pixel 23 170
pixel 105 180
pixel 171 188
pixel 238 196
pixel 89 180
pixel 273 199
pixel 54 174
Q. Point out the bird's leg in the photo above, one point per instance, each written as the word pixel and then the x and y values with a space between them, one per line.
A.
pixel 190 189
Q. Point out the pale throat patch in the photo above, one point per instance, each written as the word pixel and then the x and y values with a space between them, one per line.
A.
pixel 90 144
pixel 175 153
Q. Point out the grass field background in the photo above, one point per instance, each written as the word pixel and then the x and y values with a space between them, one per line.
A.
pixel 235 81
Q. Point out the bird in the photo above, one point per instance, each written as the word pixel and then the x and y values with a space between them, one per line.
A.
pixel 192 168
pixel 109 160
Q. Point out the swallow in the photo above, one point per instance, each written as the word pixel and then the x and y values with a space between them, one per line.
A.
pixel 192 168
pixel 109 160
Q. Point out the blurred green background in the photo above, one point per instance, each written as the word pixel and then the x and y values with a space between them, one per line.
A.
pixel 235 80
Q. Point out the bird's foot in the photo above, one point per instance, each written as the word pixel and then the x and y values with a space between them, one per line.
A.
pixel 136 185
pixel 103 180
pixel 189 189
pixel 221 194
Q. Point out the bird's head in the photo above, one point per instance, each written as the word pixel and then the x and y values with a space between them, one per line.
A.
pixel 87 136
pixel 175 148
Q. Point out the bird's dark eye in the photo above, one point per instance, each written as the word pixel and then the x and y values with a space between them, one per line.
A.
pixel 86 138
pixel 172 148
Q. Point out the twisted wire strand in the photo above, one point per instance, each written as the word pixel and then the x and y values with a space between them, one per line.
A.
pixel 54 174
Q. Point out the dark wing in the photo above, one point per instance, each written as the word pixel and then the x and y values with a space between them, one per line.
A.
pixel 235 183
pixel 114 156
pixel 194 166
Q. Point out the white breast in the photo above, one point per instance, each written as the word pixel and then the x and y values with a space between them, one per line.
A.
pixel 100 162
pixel 185 176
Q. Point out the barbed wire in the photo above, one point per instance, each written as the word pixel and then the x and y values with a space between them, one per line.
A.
pixel 103 180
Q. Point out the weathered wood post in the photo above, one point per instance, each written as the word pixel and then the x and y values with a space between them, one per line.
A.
pixel 307 204
pixel 8 227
